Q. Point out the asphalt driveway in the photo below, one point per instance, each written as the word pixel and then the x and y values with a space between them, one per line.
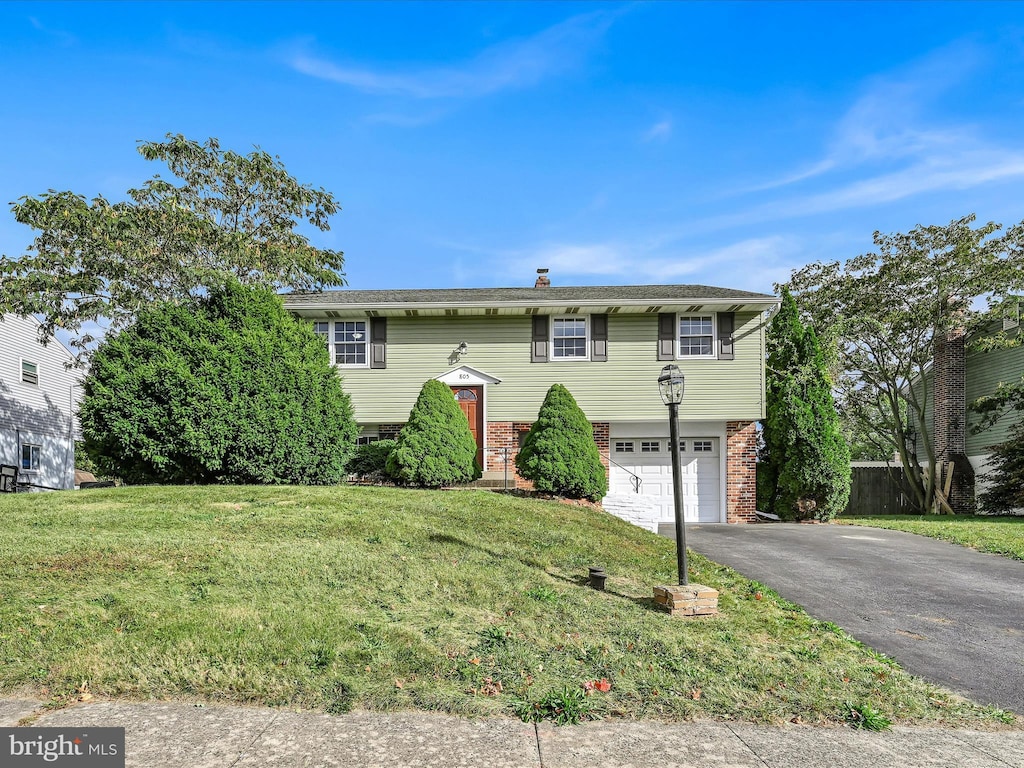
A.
pixel 946 613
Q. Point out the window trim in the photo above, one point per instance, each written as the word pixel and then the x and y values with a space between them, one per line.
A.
pixel 714 336
pixel 35 365
pixel 365 342
pixel 585 357
pixel 38 456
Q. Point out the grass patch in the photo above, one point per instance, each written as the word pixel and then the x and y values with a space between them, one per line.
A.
pixel 998 535
pixel 467 602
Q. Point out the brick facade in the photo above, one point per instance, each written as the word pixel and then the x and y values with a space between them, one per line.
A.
pixel 505 436
pixel 949 417
pixel 388 431
pixel 741 471
pixel 602 431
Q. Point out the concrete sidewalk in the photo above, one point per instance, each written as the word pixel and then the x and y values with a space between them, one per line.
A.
pixel 163 735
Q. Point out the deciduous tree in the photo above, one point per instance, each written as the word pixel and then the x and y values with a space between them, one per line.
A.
pixel 224 217
pixel 884 312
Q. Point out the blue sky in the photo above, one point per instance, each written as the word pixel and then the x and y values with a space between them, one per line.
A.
pixel 470 143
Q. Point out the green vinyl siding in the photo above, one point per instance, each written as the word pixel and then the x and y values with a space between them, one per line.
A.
pixel 985 370
pixel 623 388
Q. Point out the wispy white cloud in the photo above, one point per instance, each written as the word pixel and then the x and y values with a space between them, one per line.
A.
pixel 660 131
pixel 889 145
pixel 753 263
pixel 61 36
pixel 516 63
pixel 888 122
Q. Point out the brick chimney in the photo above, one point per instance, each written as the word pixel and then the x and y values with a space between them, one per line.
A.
pixel 542 279
pixel 949 427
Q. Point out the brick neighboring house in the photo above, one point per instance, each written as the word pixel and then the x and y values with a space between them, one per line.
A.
pixel 500 349
pixel 960 376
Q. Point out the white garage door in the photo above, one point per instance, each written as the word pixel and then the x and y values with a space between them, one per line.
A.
pixel 647 463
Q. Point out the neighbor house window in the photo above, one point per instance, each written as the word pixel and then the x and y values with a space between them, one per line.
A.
pixel 696 335
pixel 322 328
pixel 650 446
pixel 702 446
pixel 569 338
pixel 29 372
pixel 30 457
pixel 367 439
pixel 624 446
pixel 350 342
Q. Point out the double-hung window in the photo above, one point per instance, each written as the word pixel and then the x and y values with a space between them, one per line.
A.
pixel 569 338
pixel 30 457
pixel 29 372
pixel 350 343
pixel 696 336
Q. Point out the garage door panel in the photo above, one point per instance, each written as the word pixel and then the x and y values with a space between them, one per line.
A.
pixel 699 476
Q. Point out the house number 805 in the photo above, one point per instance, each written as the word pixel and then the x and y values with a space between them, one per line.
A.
pixel 463 375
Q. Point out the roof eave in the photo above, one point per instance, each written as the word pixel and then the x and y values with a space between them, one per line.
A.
pixel 767 301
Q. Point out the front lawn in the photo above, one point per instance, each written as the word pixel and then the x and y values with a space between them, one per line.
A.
pixel 999 535
pixel 462 601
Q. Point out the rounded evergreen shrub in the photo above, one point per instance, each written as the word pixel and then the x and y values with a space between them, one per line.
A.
pixel 225 388
pixel 371 460
pixel 559 453
pixel 435 447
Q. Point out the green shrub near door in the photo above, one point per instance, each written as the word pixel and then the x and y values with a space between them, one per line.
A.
pixel 435 447
pixel 559 453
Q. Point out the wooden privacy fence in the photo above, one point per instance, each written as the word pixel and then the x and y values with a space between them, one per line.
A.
pixel 878 490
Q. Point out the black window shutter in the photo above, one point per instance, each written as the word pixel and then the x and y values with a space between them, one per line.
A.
pixel 666 336
pixel 599 338
pixel 539 347
pixel 378 342
pixel 726 327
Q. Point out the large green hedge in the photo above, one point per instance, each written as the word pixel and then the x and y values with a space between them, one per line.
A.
pixel 435 447
pixel 559 453
pixel 227 388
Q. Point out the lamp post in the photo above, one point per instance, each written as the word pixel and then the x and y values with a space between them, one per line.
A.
pixel 672 384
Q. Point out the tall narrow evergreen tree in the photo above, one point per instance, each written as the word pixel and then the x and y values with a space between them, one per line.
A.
pixel 559 453
pixel 804 467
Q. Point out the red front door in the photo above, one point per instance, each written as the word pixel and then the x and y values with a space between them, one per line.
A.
pixel 471 400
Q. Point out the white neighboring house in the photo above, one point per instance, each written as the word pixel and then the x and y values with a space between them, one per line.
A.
pixel 39 397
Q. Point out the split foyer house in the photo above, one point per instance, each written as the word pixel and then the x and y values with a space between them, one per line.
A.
pixel 39 397
pixel 500 349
